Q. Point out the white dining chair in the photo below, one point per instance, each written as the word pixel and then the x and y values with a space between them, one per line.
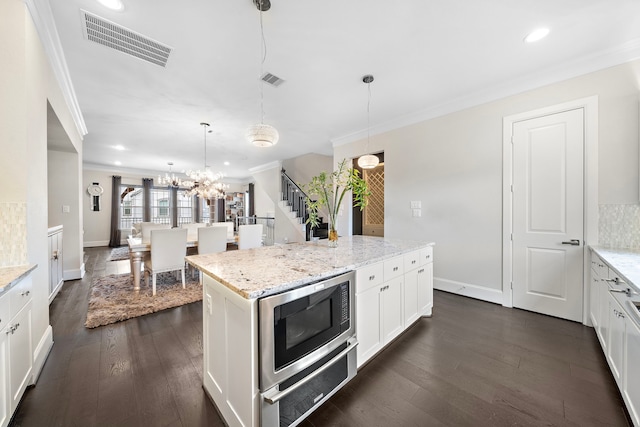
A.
pixel 228 226
pixel 168 249
pixel 146 228
pixel 249 236
pixel 212 240
pixel 192 233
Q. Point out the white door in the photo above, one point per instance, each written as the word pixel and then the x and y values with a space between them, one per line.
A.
pixel 548 214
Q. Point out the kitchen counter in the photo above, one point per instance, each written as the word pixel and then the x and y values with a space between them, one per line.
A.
pixel 625 262
pixel 256 273
pixel 9 276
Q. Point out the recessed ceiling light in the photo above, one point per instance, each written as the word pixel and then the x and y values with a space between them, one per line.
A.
pixel 119 147
pixel 117 163
pixel 112 4
pixel 227 163
pixel 537 34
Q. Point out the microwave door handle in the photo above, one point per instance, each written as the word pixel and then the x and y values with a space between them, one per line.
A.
pixel 274 399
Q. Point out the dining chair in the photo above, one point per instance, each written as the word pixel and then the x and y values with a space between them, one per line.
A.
pixel 146 228
pixel 168 249
pixel 228 226
pixel 212 240
pixel 249 236
pixel 192 233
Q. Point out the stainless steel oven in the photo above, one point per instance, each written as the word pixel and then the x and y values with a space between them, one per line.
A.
pixel 307 343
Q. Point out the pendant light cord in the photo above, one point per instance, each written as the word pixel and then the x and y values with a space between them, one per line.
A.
pixel 263 55
pixel 368 114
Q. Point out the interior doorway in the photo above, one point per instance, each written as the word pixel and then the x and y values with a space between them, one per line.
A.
pixel 370 221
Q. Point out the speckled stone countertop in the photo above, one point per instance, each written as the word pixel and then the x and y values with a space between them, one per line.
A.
pixel 625 262
pixel 9 276
pixel 255 273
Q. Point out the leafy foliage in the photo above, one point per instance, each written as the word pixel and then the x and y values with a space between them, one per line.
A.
pixel 328 190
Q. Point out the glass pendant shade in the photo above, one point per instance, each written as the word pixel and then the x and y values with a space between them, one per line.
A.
pixel 262 135
pixel 368 161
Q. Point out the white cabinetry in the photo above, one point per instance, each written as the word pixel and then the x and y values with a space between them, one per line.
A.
pixel 631 393
pixel 615 349
pixel 55 261
pixel 390 296
pixel 16 355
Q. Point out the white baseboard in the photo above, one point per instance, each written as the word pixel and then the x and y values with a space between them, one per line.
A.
pixel 468 290
pixel 96 243
pixel 75 274
pixel 41 353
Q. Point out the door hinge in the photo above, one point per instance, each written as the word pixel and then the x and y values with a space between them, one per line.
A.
pixel 512 188
pixel 511 283
pixel 512 237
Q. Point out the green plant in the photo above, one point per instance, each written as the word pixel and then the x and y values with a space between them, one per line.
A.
pixel 329 189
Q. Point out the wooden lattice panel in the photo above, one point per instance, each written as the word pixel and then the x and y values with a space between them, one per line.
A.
pixel 375 209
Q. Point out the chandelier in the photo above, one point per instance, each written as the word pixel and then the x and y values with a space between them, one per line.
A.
pixel 262 135
pixel 170 179
pixel 204 183
pixel 368 161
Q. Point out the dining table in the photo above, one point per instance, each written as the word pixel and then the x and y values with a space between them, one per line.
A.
pixel 138 248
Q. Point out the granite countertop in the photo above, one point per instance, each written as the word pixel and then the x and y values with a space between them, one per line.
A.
pixel 625 262
pixel 255 273
pixel 9 276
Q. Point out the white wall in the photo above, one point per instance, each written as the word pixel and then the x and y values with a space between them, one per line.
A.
pixel 27 83
pixel 63 184
pixel 302 168
pixel 452 164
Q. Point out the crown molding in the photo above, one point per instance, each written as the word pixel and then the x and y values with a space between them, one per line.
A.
pixel 597 61
pixel 46 27
pixel 266 166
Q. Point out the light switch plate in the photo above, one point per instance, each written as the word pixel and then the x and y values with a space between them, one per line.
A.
pixel 416 204
pixel 416 213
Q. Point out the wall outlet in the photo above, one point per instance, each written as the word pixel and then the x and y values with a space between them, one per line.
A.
pixel 416 213
pixel 66 209
pixel 416 204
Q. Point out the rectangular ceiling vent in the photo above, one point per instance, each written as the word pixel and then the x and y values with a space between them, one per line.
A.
pixel 112 35
pixel 271 79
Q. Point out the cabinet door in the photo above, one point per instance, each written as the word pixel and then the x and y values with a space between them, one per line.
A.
pixel 5 410
pixel 392 312
pixel 615 353
pixel 603 326
pixel 20 354
pixel 411 296
pixel 594 303
pixel 60 266
pixel 368 323
pixel 425 290
pixel 632 371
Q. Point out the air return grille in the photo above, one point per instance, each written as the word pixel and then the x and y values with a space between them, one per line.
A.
pixel 271 79
pixel 112 35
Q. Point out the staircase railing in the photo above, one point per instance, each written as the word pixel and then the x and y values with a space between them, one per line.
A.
pixel 295 197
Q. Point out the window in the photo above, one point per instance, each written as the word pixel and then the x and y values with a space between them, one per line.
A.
pixel 130 206
pixel 160 212
pixel 185 208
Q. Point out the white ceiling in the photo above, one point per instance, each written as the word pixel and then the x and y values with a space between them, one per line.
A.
pixel 427 57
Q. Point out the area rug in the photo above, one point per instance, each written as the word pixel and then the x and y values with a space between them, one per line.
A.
pixel 113 299
pixel 118 254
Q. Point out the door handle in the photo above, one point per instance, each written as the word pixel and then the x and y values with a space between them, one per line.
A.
pixel 573 242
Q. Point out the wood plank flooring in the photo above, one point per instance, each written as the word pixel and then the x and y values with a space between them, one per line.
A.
pixel 471 364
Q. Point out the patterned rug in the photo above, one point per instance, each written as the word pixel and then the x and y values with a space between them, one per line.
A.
pixel 118 254
pixel 112 298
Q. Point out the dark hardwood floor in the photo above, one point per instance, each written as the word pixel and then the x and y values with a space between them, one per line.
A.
pixel 471 364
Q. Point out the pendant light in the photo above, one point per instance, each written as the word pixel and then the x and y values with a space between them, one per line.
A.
pixel 205 184
pixel 368 161
pixel 262 135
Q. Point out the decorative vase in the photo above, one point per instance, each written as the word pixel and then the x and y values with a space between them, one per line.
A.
pixel 333 237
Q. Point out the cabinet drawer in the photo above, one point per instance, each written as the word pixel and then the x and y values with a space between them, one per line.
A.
pixel 5 309
pixel 426 255
pixel 20 294
pixel 368 276
pixel 411 260
pixel 393 267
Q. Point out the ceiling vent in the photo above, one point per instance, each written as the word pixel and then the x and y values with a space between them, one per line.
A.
pixel 112 35
pixel 271 79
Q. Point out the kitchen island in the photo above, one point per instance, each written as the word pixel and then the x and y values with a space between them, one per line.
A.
pixel 393 289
